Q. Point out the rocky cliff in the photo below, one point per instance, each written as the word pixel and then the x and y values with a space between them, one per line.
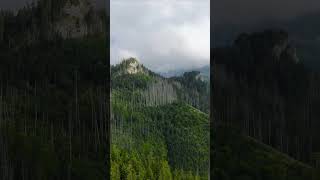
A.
pixel 78 19
pixel 51 20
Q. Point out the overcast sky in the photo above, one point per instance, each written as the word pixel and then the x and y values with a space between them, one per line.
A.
pixel 162 34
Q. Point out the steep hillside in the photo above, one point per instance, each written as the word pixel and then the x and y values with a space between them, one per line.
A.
pixel 239 157
pixel 155 133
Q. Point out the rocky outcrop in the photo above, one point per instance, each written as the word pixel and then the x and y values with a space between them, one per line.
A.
pixel 133 67
pixel 270 44
pixel 130 66
pixel 79 19
pixel 50 20
pixel 292 54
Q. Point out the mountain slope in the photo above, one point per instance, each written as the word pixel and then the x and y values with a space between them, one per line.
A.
pixel 237 156
pixel 152 120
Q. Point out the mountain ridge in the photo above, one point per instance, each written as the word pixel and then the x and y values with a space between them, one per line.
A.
pixel 190 87
pixel 204 70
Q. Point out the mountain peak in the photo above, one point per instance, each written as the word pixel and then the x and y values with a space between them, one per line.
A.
pixel 269 43
pixel 77 19
pixel 131 66
pixel 130 60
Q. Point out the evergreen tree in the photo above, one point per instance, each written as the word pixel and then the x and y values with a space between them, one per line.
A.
pixel 165 172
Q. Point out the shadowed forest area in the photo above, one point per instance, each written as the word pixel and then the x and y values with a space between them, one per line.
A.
pixel 54 92
pixel 267 101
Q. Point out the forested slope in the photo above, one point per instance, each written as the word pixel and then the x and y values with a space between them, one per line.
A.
pixel 155 133
pixel 239 157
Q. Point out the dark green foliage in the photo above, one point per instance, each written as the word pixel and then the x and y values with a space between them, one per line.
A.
pixel 186 133
pixel 141 163
pixel 191 80
pixel 131 81
pixel 196 87
pixel 180 132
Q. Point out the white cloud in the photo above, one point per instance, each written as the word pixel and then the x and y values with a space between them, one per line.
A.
pixel 196 38
pixel 118 54
pixel 163 34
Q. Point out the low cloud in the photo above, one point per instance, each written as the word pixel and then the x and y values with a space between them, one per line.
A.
pixel 163 35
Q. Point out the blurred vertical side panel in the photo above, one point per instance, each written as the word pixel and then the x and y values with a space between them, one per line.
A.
pixel 265 96
pixel 54 90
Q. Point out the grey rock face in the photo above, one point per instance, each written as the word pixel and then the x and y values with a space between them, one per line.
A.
pixel 78 20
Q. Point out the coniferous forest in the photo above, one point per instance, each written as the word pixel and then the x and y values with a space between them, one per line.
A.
pixel 53 92
pixel 159 126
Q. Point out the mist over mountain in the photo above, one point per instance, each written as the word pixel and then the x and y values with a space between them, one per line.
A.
pixel 204 71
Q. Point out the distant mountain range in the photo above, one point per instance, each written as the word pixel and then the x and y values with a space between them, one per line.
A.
pixel 204 71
